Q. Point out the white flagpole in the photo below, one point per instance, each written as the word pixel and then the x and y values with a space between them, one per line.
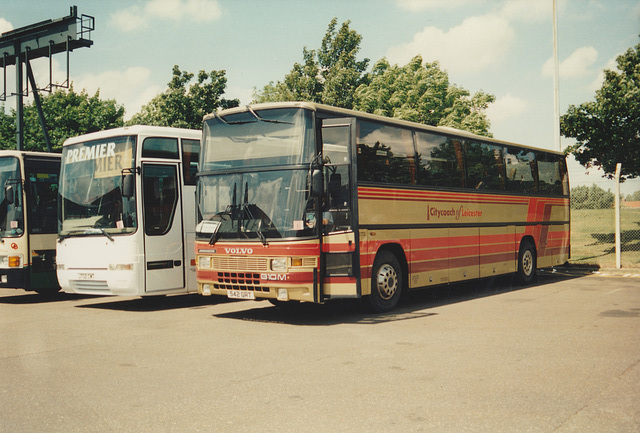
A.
pixel 556 78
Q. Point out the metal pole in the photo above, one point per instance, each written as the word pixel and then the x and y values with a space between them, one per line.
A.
pixel 36 98
pixel 556 79
pixel 19 100
pixel 617 216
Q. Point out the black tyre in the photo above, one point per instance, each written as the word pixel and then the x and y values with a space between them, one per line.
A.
pixel 387 282
pixel 526 263
pixel 283 304
pixel 48 292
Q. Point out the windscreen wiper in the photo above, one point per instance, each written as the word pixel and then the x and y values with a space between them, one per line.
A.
pixel 215 235
pixel 262 119
pixel 262 237
pixel 226 122
pixel 104 232
pixel 89 231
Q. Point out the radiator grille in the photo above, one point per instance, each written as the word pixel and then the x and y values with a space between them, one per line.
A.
pixel 239 278
pixel 233 263
pixel 97 286
pixel 239 281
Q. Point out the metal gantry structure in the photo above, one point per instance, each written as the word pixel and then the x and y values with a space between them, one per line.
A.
pixel 19 47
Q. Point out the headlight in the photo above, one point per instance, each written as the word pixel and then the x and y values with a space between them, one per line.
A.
pixel 279 264
pixel 204 262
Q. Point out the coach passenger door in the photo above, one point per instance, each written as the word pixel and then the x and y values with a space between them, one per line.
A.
pixel 164 255
pixel 339 245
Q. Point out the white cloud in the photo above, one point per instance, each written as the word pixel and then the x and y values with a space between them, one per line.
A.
pixel 130 87
pixel 5 25
pixel 578 64
pixel 611 65
pixel 520 10
pixel 476 44
pixel 527 10
pixel 420 5
pixel 506 107
pixel 129 19
pixel 139 17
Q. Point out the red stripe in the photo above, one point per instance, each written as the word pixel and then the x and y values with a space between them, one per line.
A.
pixel 338 248
pixel 349 280
pixel 498 258
pixel 433 265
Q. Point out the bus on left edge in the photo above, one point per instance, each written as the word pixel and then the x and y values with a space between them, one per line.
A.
pixel 28 223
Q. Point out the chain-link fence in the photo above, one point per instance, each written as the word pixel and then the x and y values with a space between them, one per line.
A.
pixel 593 236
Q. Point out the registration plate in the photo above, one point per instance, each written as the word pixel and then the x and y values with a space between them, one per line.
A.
pixel 85 276
pixel 240 294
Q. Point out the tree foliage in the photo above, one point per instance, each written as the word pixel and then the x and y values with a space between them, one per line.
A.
pixel 333 75
pixel 423 94
pixel 607 130
pixel 67 114
pixel 593 197
pixel 184 107
pixel 635 196
pixel 329 75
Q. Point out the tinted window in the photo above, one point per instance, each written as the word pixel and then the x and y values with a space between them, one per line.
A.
pixel 42 192
pixel 485 166
pixel 190 157
pixel 160 195
pixel 521 170
pixel 440 160
pixel 551 174
pixel 385 154
pixel 160 147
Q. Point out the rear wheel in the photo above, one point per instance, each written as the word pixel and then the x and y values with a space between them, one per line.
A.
pixel 386 283
pixel 526 263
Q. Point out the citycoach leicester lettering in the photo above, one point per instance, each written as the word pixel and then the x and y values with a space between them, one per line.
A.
pixel 239 250
pixel 457 213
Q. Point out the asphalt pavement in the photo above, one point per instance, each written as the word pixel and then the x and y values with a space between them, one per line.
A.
pixel 561 355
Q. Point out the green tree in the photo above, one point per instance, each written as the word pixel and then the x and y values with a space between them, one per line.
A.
pixel 7 129
pixel 634 197
pixel 329 75
pixel 423 94
pixel 332 75
pixel 67 114
pixel 607 130
pixel 184 107
pixel 593 197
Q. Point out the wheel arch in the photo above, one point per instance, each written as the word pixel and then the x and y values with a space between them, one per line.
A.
pixel 528 239
pixel 397 250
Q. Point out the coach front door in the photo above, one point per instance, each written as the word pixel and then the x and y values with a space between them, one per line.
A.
pixel 339 244
pixel 164 255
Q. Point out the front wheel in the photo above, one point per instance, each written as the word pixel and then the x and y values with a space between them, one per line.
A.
pixel 526 263
pixel 386 283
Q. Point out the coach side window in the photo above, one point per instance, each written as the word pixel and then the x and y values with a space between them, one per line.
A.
pixel 485 166
pixel 440 160
pixel 550 174
pixel 190 156
pixel 385 154
pixel 522 171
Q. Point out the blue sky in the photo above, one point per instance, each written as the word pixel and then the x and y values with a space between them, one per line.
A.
pixel 503 47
